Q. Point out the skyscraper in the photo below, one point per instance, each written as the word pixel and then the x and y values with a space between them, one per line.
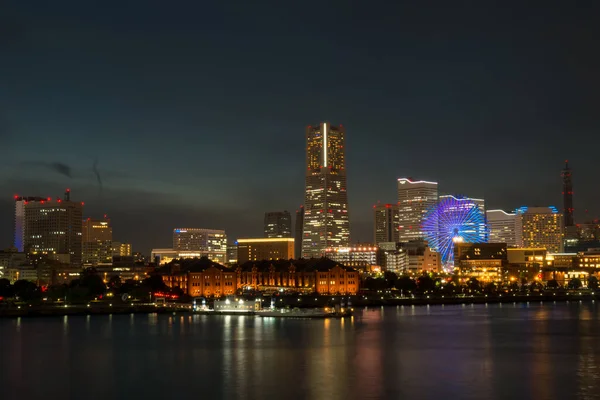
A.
pixel 278 224
pixel 97 241
pixel 211 243
pixel 503 227
pixel 567 195
pixel 386 223
pixel 298 229
pixel 414 198
pixel 540 227
pixel 52 229
pixel 326 222
pixel 19 223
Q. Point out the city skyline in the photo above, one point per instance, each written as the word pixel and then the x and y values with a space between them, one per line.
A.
pixel 422 97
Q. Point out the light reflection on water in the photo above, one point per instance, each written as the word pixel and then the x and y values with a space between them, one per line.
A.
pixel 511 351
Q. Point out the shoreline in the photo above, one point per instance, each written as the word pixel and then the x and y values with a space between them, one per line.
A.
pixel 84 310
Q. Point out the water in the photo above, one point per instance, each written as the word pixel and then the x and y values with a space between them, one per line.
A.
pixel 516 351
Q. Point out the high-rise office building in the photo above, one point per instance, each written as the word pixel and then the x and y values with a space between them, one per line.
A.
pixel 540 227
pixel 121 249
pixel 19 224
pixel 278 224
pixel 52 229
pixel 265 249
pixel 326 222
pixel 97 241
pixel 211 243
pixel 503 227
pixel 414 199
pixel 298 231
pixel 386 223
pixel 567 196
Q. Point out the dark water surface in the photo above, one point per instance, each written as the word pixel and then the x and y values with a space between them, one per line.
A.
pixel 520 351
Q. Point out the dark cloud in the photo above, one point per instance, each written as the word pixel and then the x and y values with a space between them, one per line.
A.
pixel 56 166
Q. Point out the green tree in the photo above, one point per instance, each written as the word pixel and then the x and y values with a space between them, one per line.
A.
pixel 425 283
pixel 114 281
pixel 593 282
pixel 6 290
pixel 552 284
pixel 575 283
pixel 474 285
pixel 490 288
pixel 390 279
pixel 25 290
pixel 406 284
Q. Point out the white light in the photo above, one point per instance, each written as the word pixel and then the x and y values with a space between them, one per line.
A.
pixel 324 144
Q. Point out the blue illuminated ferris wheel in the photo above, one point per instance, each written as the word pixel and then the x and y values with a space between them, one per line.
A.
pixel 454 219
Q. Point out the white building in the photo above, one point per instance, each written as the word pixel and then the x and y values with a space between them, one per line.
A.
pixel 209 242
pixel 503 227
pixel 414 199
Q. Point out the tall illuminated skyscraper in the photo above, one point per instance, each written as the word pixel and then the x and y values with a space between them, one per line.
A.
pixel 97 241
pixel 386 223
pixel 278 224
pixel 52 229
pixel 414 199
pixel 19 226
pixel 326 222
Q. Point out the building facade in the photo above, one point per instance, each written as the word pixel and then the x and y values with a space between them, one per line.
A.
pixel 483 261
pixel 386 221
pixel 363 257
pixel 321 276
pixel 120 249
pixel 298 231
pixel 19 223
pixel 414 199
pixel 97 241
pixel 52 229
pixel 278 224
pixel 203 278
pixel 265 249
pixel 209 242
pixel 540 227
pixel 326 222
pixel 503 227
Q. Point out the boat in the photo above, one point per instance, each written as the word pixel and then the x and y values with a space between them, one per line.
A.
pixel 326 312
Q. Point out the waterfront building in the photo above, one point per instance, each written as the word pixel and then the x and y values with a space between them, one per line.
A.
pixel 97 241
pixel 204 278
pixel 209 242
pixel 483 261
pixel 394 257
pixel 525 263
pixel 321 276
pixel 414 199
pixel 363 257
pixel 265 249
pixel 200 278
pixel 52 229
pixel 540 227
pixel 11 258
pixel 386 223
pixel 503 227
pixel 278 224
pixel 421 258
pixel 298 231
pixel 326 222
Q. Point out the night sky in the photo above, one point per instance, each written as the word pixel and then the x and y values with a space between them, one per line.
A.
pixel 195 111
